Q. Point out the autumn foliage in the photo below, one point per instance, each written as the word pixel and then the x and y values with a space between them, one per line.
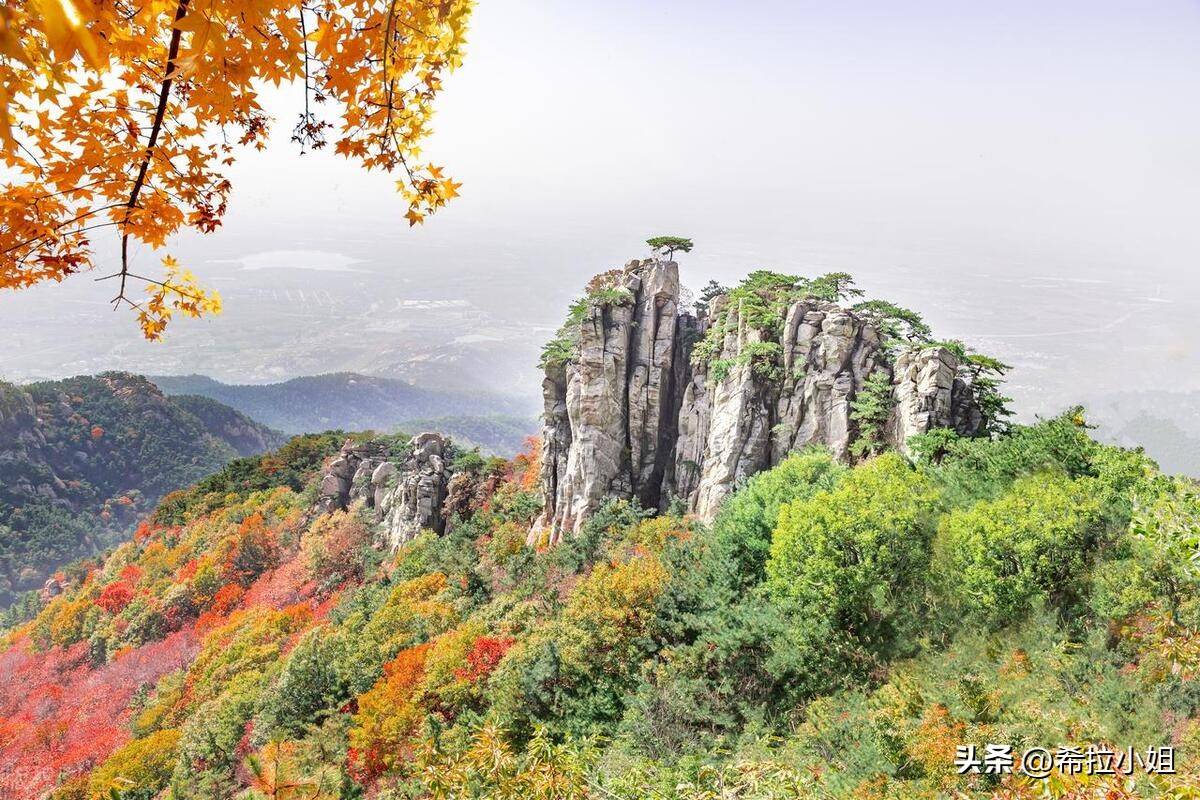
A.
pixel 124 118
pixel 483 657
pixel 244 645
pixel 389 715
pixel 114 597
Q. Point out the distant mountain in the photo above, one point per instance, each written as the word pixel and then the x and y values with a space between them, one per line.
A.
pixel 1166 424
pixel 82 459
pixel 345 400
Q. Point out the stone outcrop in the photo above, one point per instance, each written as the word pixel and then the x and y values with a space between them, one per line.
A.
pixel 407 495
pixel 929 394
pixel 345 477
pixel 414 502
pixel 634 415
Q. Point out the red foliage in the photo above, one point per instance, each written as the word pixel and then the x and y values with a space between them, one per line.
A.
pixel 282 587
pixel 484 656
pixel 59 717
pixel 131 574
pixel 254 551
pixel 356 767
pixel 244 747
pixel 224 602
pixel 115 597
pixel 97 432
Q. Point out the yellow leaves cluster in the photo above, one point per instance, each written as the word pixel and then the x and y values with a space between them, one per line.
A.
pixel 122 117
pixel 177 292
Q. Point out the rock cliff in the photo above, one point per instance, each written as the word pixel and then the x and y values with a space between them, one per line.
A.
pixel 409 492
pixel 645 400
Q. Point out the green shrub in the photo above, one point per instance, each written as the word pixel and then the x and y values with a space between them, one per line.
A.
pixel 741 532
pixel 857 555
pixel 998 559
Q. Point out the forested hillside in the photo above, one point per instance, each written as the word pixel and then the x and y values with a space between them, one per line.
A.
pixel 82 459
pixel 836 632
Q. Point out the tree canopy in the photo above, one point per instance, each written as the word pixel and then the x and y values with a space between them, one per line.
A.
pixel 125 116
pixel 670 244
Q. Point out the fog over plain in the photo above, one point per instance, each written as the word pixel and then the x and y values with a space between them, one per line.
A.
pixel 1024 174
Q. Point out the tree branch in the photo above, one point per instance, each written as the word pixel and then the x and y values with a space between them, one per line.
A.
pixel 164 95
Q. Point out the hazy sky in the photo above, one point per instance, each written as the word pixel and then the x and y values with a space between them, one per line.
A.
pixel 1025 173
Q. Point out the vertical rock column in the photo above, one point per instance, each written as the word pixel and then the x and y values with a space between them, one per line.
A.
pixel 929 394
pixel 829 353
pixel 651 384
pixel 556 449
pixel 689 415
pixel 740 409
pixel 595 400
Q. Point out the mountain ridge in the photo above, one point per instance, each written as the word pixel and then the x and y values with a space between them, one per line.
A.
pixel 346 400
pixel 81 459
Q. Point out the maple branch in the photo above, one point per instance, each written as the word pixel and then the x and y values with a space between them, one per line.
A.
pixel 164 94
pixel 304 43
pixel 308 131
pixel 165 285
pixel 31 155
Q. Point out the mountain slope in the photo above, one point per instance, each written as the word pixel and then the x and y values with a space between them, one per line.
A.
pixel 342 400
pixel 838 632
pixel 81 459
pixel 229 425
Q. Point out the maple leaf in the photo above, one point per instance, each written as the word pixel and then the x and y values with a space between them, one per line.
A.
pixel 118 118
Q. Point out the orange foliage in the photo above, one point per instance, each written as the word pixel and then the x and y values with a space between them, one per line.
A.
pixel 527 465
pixel 187 570
pixel 126 117
pixel 143 532
pixel 97 432
pixel 388 715
pixel 934 746
pixel 224 603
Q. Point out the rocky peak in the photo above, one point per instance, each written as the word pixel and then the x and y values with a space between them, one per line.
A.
pixel 644 400
pixel 408 493
pixel 410 500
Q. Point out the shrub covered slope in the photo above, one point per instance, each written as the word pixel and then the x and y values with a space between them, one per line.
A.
pixel 82 459
pixel 836 633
